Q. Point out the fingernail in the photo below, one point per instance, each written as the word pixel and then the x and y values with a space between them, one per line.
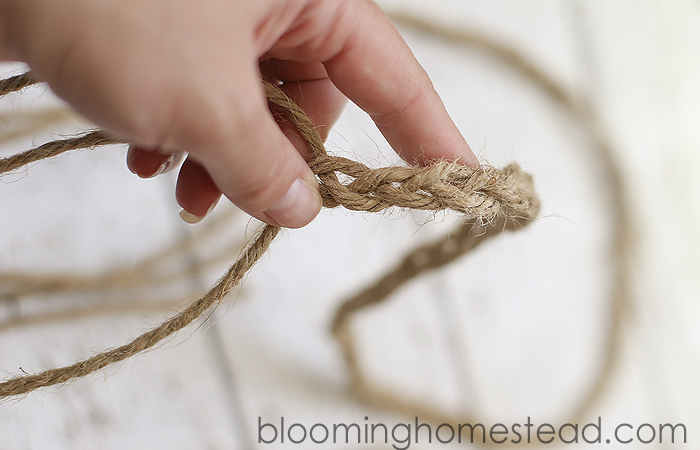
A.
pixel 298 206
pixel 163 167
pixel 188 217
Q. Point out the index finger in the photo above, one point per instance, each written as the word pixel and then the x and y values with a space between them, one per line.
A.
pixel 379 73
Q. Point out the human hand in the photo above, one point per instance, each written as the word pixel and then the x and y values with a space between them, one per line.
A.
pixel 176 76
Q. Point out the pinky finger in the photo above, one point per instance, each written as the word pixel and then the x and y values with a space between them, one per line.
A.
pixel 195 192
pixel 147 163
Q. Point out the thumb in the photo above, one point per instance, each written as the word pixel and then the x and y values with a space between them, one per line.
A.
pixel 260 171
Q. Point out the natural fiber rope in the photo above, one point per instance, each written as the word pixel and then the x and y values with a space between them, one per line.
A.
pixel 483 193
pixel 433 256
pixel 54 148
pixel 420 260
pixel 17 82
pixel 24 384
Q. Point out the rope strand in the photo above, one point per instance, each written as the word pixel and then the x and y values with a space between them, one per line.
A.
pixel 17 83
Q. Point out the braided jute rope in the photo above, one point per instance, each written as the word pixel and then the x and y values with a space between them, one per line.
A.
pixel 483 194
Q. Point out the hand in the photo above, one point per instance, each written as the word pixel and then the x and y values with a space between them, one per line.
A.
pixel 183 76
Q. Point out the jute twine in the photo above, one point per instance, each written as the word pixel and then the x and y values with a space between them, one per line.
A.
pixel 486 195
pixel 472 233
pixel 17 83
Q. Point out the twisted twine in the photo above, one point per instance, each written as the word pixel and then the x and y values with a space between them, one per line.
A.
pixel 17 83
pixel 483 194
pixel 54 148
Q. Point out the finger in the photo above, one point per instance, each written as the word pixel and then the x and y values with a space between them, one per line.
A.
pixel 196 192
pixel 252 162
pixel 149 163
pixel 310 87
pixel 378 72
pixel 288 71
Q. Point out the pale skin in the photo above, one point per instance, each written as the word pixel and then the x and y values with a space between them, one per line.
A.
pixel 180 77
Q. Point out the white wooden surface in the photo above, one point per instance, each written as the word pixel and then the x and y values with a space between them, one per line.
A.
pixel 514 330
